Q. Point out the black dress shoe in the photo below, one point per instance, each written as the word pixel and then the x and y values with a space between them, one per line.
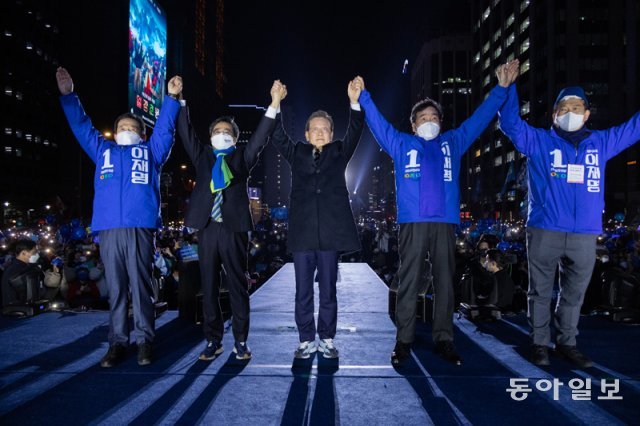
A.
pixel 145 353
pixel 573 355
pixel 447 351
pixel 539 355
pixel 115 355
pixel 400 354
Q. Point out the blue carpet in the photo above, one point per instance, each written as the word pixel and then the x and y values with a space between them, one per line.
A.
pixel 49 371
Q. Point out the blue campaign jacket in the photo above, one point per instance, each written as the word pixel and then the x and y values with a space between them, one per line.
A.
pixel 401 147
pixel 127 178
pixel 554 203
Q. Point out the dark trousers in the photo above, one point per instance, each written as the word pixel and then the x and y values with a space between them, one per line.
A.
pixel 127 254
pixel 220 248
pixel 415 241
pixel 576 256
pixel 305 264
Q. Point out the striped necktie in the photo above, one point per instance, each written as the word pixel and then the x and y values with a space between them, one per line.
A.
pixel 216 212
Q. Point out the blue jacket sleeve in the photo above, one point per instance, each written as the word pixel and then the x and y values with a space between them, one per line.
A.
pixel 622 137
pixel 473 126
pixel 161 140
pixel 89 137
pixel 514 127
pixel 385 134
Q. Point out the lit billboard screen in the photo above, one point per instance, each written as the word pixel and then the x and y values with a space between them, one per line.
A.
pixel 147 58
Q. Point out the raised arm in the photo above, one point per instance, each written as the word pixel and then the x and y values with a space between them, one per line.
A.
pixel 188 136
pixel 281 140
pixel 260 137
pixel 356 119
pixel 473 126
pixel 623 136
pixel 161 140
pixel 385 134
pixel 513 126
pixel 89 137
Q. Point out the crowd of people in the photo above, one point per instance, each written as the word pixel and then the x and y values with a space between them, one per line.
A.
pixel 72 273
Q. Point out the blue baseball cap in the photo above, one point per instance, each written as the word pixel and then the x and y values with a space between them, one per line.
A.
pixel 572 92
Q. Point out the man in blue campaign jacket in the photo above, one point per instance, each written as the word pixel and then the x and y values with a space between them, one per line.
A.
pixel 427 165
pixel 566 166
pixel 126 210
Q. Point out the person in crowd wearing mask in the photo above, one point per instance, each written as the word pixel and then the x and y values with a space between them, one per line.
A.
pixel 126 210
pixel 427 165
pixel 566 165
pixel 483 280
pixel 219 210
pixel 496 263
pixel 321 224
pixel 21 281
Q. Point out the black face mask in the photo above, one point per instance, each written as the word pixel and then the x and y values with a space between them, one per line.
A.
pixel 482 253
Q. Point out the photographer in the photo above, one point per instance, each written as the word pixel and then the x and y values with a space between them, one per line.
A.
pixel 483 280
pixel 496 262
pixel 22 280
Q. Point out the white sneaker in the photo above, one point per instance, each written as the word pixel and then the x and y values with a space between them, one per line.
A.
pixel 328 350
pixel 305 349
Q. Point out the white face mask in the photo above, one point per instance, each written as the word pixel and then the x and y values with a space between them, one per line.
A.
pixel 222 141
pixel 34 258
pixel 569 122
pixel 127 137
pixel 428 130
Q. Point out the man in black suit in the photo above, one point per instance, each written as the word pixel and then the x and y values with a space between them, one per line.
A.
pixel 219 209
pixel 21 282
pixel 321 223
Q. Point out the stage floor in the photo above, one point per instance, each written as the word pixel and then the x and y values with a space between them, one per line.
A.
pixel 49 372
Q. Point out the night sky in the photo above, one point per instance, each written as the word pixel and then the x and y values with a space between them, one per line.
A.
pixel 316 48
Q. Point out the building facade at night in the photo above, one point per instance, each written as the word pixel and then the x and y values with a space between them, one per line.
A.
pixel 33 143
